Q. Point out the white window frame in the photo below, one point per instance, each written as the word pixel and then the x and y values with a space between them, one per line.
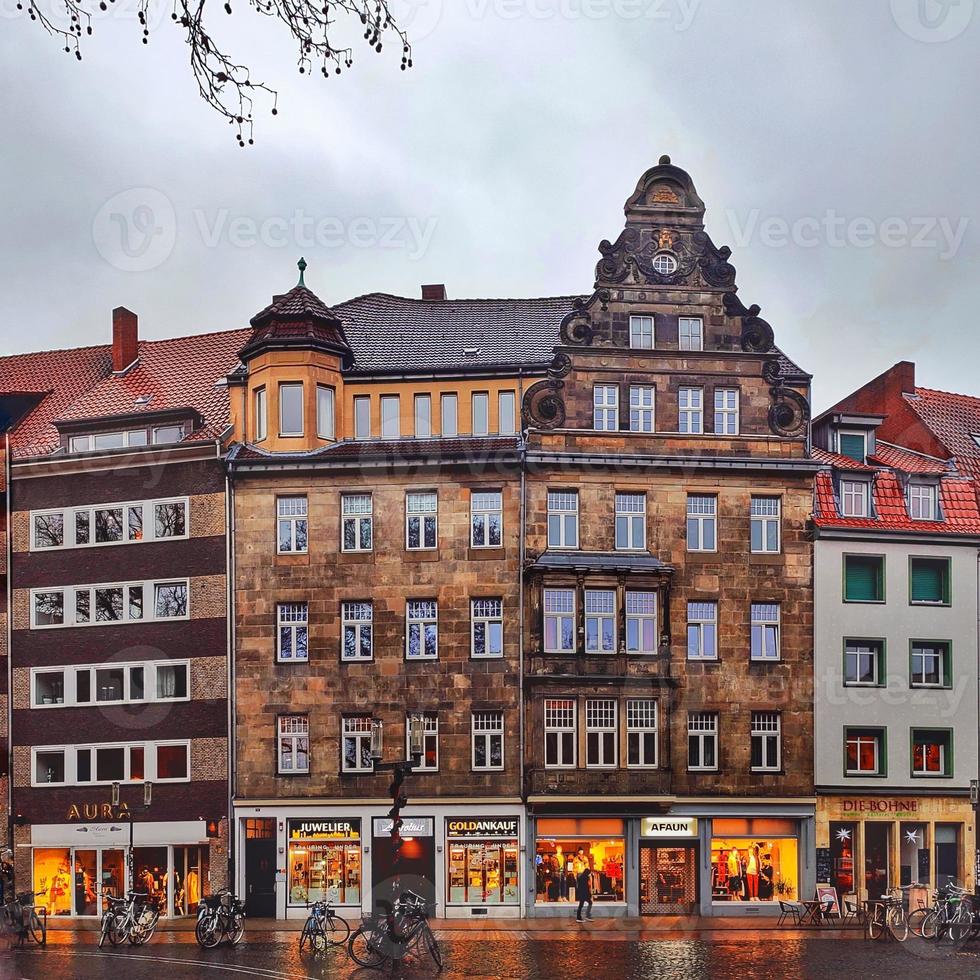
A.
pixel 362 403
pixel 449 414
pixel 326 412
pixel 643 408
pixel 131 438
pixel 601 718
pixel 702 622
pixel 561 719
pixel 600 613
pixel 357 729
pixel 563 510
pixel 506 413
pixel 430 733
pixel 639 325
pixel 349 514
pixel 283 385
pixel 703 726
pixel 484 506
pixel 690 410
pixel 69 595
pixel 767 728
pixel 641 608
pixel 288 731
pixel 487 613
pixel 726 411
pixel 854 492
pixel 426 515
pixel 764 622
pixel 261 414
pixel 72 517
pixel 921 494
pixel 423 416
pixel 69 680
pixel 943 746
pixel 631 518
pixel 354 623
pixel 765 513
pixel 292 513
pixel 858 650
pixel 391 424
pixel 150 762
pixel 485 727
pixel 928 650
pixel 702 514
pixel 292 619
pixel 642 719
pixel 480 398
pixel 690 333
pixel 559 612
pixel 861 739
pixel 420 614
pixel 605 408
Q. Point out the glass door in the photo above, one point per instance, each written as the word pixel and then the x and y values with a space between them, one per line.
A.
pixel 877 840
pixel 112 875
pixel 85 882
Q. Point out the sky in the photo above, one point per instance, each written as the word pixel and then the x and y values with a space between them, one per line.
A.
pixel 833 143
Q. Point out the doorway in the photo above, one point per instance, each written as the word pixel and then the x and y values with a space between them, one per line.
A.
pixel 260 868
pixel 415 871
pixel 947 854
pixel 877 841
pixel 668 879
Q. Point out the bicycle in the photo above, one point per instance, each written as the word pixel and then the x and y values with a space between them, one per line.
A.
pixel 220 916
pixel 323 928
pixel 403 928
pixel 113 907
pixel 20 917
pixel 952 915
pixel 135 921
pixel 889 913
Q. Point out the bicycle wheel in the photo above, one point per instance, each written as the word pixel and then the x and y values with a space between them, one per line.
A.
pixel 306 936
pixel 237 929
pixel 897 923
pixel 876 924
pixel 36 929
pixel 930 924
pixel 337 931
pixel 432 945
pixel 915 920
pixel 206 932
pixel 364 948
pixel 120 929
pixel 104 931
pixel 960 923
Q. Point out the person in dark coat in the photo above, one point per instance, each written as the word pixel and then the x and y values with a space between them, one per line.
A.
pixel 583 889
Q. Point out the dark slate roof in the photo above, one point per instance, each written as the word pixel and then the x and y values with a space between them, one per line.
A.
pixel 299 303
pixel 607 561
pixel 463 450
pixel 397 333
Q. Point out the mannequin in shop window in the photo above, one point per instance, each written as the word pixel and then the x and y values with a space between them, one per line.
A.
pixel 563 874
pixel 192 889
pixel 766 887
pixel 735 872
pixel 752 869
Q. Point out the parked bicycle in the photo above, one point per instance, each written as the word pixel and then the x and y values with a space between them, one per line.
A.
pixel 113 907
pixel 133 919
pixel 402 928
pixel 323 928
pixel 21 919
pixel 952 915
pixel 889 913
pixel 220 916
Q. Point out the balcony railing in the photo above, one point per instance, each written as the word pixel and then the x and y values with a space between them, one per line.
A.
pixel 598 782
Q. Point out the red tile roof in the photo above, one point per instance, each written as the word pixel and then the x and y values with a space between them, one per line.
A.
pixel 955 419
pixel 908 461
pixel 838 461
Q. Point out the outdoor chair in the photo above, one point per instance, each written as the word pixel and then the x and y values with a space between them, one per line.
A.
pixel 789 910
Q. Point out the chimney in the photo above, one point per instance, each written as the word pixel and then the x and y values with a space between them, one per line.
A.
pixel 434 291
pixel 904 372
pixel 125 339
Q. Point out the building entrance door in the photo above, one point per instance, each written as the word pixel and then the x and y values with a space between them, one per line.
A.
pixel 668 879
pixel 416 868
pixel 260 868
pixel 877 837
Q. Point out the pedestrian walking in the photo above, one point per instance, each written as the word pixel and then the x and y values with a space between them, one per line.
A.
pixel 583 890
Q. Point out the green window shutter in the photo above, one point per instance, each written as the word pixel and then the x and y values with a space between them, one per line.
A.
pixel 862 579
pixel 852 446
pixel 928 581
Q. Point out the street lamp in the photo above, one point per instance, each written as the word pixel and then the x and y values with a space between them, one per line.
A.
pixel 147 800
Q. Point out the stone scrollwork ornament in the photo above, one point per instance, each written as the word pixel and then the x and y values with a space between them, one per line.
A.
pixel 789 412
pixel 757 336
pixel 543 406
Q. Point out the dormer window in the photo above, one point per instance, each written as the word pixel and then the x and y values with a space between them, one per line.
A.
pixel 855 497
pixel 922 501
pixel 853 445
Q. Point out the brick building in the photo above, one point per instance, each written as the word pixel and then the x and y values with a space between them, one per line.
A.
pixel 116 544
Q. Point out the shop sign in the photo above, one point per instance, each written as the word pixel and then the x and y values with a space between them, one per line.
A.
pixel 879 806
pixel 324 829
pixel 97 811
pixel 669 827
pixel 411 827
pixel 481 827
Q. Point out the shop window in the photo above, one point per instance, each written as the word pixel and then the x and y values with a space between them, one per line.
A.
pixel 482 872
pixel 948 844
pixel 562 519
pixel 558 862
pixel 929 581
pixel 487 624
pixel 932 752
pixel 488 740
pixel 843 837
pixel 422 631
pixel 486 519
pixel 292 524
pixel 358 631
pixel 931 664
pixel 151 866
pixel 420 520
pixel 759 868
pixel 325 863
pixel 864 663
pixel 864 578
pixel 53 879
pixel 600 621
pixel 864 751
pixel 191 875
pixel 559 733
pixel 358 522
pixel 641 623
pixel 913 854
pixel 877 857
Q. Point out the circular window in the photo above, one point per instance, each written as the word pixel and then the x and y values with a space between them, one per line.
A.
pixel 665 263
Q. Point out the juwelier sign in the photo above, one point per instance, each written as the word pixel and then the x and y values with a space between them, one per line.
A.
pixel 324 829
pixel 669 827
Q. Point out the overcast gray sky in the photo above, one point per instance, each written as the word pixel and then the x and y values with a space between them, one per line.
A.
pixel 834 143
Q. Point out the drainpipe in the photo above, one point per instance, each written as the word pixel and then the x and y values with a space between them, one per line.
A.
pixel 528 844
pixel 230 673
pixel 9 553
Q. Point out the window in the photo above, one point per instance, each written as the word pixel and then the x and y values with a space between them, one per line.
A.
pixel 261 415
pixel 291 409
pixel 169 520
pixel 48 531
pixel 171 681
pixel 726 411
pixel 172 762
pixel 932 752
pixel 94 684
pixel 123 523
pixel 362 417
pixel 488 740
pixel 864 663
pixel 420 520
pixel 701 522
pixel 766 747
pixel 357 521
pixel 765 631
pixel 487 625
pixel 600 733
pixel 49 766
pixel 922 501
pixel 99 605
pixel 702 631
pixel 481 413
pixel 86 765
pixel 855 496
pixel 641 332
pixel 390 417
pixel 294 630
pixel 562 519
pixel 356 744
pixel 764 525
pixel 664 263
pixel 641 733
pixel 429 762
pixel 689 333
pixel 49 609
pixel 450 426
pixel 864 753
pixel 864 578
pixel 690 407
pixel 929 581
pixel 853 445
pixel 702 740
pixel 422 635
pixel 486 519
pixel 931 664
pixel 605 407
pixel 641 622
pixel 631 521
pixel 600 621
pixel 357 634
pixel 423 416
pixel 559 733
pixel 559 620
pixel 506 413
pixel 642 414
pixel 325 412
pixel 292 524
pixel 164 434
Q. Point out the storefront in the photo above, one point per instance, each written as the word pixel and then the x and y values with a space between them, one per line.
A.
pixel 668 865
pixel 869 845
pixel 75 867
pixel 324 862
pixel 482 855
